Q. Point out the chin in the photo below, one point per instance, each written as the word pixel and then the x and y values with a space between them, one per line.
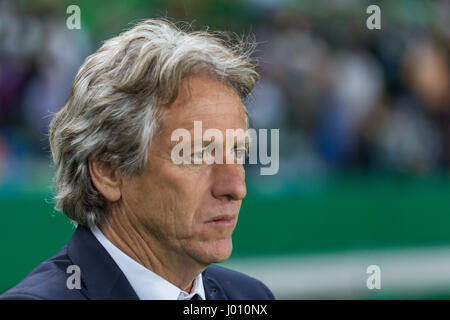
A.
pixel 215 251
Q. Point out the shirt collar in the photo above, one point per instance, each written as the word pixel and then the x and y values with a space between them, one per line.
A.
pixel 147 284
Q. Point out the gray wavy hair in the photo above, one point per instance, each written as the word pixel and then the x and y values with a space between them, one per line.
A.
pixel 112 111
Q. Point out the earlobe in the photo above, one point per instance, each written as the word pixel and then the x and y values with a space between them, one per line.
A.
pixel 106 179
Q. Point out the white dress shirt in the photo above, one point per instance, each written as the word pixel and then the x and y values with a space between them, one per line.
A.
pixel 147 284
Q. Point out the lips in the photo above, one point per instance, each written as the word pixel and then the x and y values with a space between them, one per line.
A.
pixel 222 220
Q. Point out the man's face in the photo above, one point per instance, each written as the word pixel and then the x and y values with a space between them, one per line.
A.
pixel 190 210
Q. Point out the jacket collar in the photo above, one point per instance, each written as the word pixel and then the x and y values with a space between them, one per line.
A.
pixel 102 279
pixel 213 291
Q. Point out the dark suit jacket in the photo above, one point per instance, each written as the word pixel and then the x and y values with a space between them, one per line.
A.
pixel 101 278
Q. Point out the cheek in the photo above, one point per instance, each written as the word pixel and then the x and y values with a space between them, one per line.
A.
pixel 185 190
pixel 152 200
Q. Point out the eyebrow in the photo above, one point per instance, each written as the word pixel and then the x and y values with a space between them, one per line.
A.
pixel 235 144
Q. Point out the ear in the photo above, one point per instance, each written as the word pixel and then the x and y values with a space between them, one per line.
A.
pixel 105 179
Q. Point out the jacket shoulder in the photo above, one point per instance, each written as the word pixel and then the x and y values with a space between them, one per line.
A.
pixel 48 281
pixel 238 286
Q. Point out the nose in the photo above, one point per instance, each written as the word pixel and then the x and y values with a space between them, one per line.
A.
pixel 229 182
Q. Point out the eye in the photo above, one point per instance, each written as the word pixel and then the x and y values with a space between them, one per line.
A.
pixel 240 154
pixel 197 155
pixel 205 155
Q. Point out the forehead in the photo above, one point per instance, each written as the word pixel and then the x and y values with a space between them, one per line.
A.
pixel 204 98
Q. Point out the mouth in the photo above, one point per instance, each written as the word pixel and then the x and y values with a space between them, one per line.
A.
pixel 223 220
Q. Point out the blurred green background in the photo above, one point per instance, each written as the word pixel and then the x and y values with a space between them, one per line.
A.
pixel 364 132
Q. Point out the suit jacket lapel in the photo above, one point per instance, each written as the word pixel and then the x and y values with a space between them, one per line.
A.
pixel 213 291
pixel 101 277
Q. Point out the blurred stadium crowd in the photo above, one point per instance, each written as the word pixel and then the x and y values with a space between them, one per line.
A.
pixel 343 96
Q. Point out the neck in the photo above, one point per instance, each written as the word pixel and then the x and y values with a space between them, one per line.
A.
pixel 150 252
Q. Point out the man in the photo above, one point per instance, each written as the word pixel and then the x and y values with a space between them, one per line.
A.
pixel 148 228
